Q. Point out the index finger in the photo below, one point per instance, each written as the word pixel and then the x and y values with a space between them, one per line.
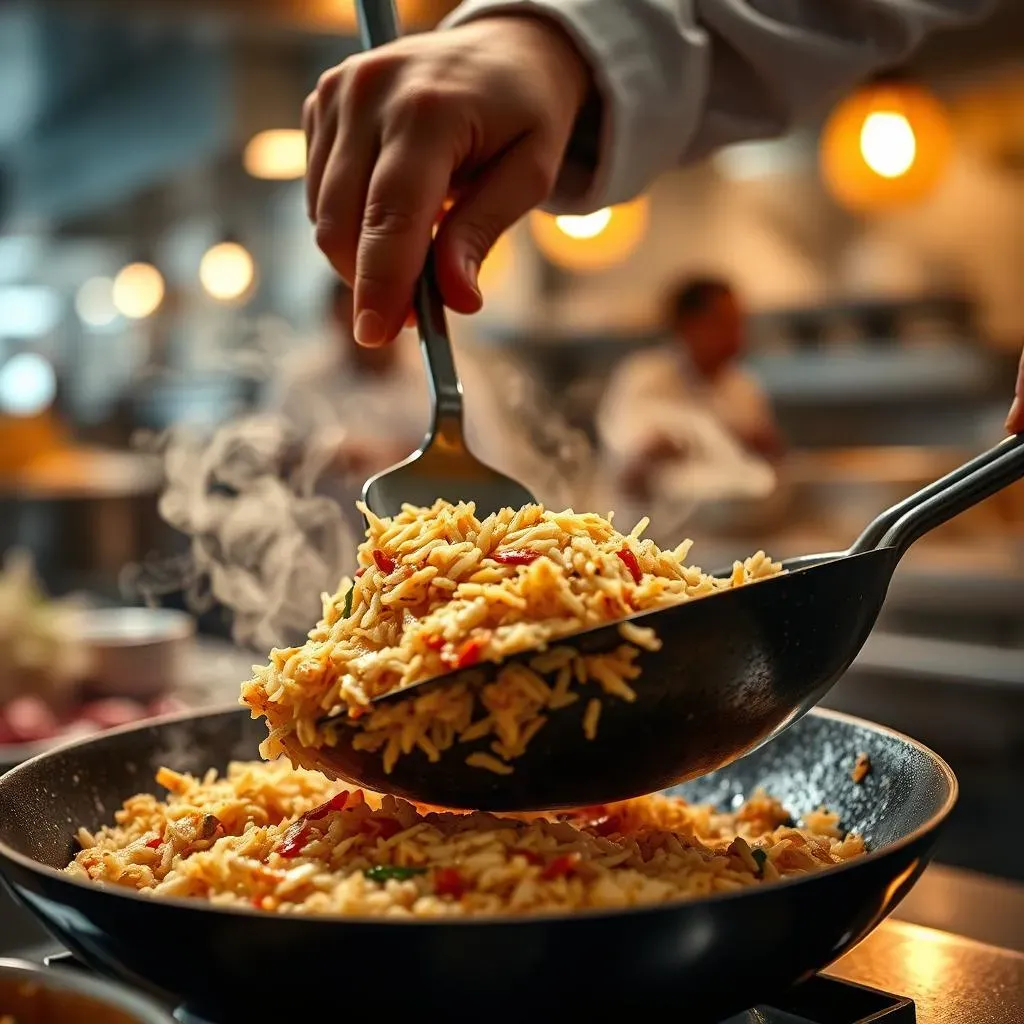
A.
pixel 408 185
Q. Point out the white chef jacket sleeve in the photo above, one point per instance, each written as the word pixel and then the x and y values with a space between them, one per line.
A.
pixel 637 408
pixel 678 78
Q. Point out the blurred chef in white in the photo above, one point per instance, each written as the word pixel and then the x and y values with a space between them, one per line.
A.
pixel 369 407
pixel 685 423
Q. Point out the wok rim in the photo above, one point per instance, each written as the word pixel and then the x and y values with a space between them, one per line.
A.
pixel 322 920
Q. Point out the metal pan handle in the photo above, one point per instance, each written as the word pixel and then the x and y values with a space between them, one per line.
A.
pixel 1004 465
pixel 875 532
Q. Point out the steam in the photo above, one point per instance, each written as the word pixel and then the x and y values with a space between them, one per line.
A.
pixel 261 541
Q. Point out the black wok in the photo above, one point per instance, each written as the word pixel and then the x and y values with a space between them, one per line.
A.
pixel 733 671
pixel 706 958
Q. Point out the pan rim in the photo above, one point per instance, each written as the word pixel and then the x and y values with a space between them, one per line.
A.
pixel 491 920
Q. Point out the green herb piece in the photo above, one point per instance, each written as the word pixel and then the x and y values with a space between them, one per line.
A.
pixel 348 601
pixel 382 872
pixel 762 858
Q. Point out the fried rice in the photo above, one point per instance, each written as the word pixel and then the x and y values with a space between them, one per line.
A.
pixel 440 590
pixel 288 841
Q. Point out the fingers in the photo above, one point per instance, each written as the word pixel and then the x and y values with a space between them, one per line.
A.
pixel 407 187
pixel 1015 421
pixel 518 180
pixel 320 122
pixel 343 189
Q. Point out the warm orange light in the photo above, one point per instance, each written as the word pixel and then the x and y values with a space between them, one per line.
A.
pixel 594 241
pixel 278 154
pixel 498 266
pixel 887 145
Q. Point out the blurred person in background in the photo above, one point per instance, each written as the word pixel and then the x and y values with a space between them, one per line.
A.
pixel 577 104
pixel 661 403
pixel 683 426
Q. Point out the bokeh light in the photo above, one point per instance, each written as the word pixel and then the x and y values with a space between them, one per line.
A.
pixel 28 385
pixel 94 303
pixel 227 272
pixel 278 154
pixel 888 143
pixel 138 291
pixel 885 146
pixel 594 241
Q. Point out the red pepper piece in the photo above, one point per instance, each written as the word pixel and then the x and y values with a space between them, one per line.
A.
pixel 516 556
pixel 630 562
pixel 531 856
pixel 336 803
pixel 385 563
pixel 359 572
pixel 387 827
pixel 154 844
pixel 597 819
pixel 448 882
pixel 295 839
pixel 560 866
pixel 469 653
pixel 434 642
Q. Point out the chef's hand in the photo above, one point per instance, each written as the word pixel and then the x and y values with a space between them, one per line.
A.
pixel 1015 421
pixel 480 113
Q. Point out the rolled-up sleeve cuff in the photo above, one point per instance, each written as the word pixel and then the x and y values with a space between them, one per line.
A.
pixel 651 72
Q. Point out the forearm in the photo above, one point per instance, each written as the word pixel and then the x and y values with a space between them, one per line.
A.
pixel 678 78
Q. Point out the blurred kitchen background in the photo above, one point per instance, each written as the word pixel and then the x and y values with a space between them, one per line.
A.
pixel 157 270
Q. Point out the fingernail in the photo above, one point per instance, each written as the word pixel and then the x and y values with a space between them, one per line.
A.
pixel 369 329
pixel 1013 421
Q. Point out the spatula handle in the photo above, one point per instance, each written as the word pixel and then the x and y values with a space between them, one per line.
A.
pixel 378 24
pixel 960 490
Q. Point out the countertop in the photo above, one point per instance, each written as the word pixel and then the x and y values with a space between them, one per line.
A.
pixel 952 980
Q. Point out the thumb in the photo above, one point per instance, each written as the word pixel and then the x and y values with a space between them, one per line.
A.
pixel 1015 421
pixel 522 178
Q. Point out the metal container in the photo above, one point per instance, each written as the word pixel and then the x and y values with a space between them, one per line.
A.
pixel 139 653
pixel 32 994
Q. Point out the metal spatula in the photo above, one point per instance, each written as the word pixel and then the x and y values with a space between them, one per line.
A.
pixel 443 467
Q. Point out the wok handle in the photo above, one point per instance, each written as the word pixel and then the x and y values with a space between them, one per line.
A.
pixel 999 467
pixel 875 532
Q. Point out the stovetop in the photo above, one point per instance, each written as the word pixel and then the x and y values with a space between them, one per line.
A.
pixel 822 1000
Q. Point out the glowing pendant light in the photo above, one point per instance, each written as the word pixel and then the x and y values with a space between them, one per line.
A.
pixel 594 241
pixel 885 146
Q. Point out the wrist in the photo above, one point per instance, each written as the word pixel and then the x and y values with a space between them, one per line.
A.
pixel 562 58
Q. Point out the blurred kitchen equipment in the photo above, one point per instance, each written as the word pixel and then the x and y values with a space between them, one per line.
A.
pixel 33 994
pixel 136 652
pixel 732 673
pixel 444 467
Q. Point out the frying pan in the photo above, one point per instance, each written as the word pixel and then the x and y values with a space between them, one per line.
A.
pixel 707 958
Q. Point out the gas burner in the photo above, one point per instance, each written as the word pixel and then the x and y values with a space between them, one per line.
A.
pixel 822 1000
